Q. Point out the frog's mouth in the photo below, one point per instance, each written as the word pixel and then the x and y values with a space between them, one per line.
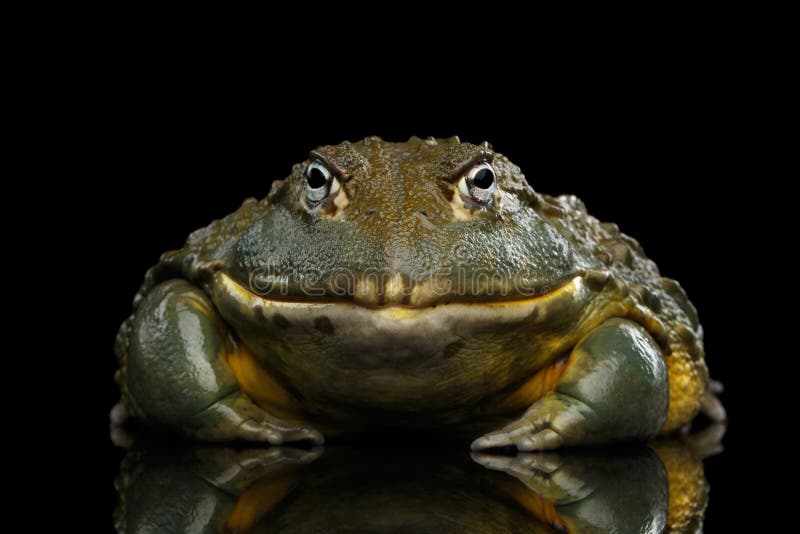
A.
pixel 236 301
pixel 381 289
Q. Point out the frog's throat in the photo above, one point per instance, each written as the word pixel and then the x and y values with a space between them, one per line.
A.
pixel 229 294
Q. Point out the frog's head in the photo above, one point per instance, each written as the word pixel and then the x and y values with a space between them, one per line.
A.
pixel 413 224
pixel 383 256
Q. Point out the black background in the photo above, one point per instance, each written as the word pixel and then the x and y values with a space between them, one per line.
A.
pixel 652 147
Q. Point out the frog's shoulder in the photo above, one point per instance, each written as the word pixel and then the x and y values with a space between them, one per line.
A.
pixel 205 248
pixel 625 260
pixel 201 254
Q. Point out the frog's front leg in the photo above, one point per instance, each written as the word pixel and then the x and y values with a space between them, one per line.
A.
pixel 614 387
pixel 179 372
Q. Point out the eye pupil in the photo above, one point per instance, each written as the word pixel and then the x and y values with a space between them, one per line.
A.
pixel 316 178
pixel 483 179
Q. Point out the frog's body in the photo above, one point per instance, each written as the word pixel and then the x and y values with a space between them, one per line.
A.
pixel 417 284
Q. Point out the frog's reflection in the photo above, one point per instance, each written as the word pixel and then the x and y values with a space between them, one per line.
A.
pixel 208 489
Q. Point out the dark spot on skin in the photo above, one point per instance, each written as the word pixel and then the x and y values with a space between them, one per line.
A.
pixel 453 349
pixel 324 325
pixel 371 211
pixel 447 190
pixel 686 336
pixel 281 321
pixel 423 213
pixel 263 318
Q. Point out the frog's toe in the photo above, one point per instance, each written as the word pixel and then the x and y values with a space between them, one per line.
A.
pixel 541 440
pixel 492 461
pixel 548 474
pixel 263 431
pixel 492 441
pixel 521 464
pixel 251 430
pixel 304 434
pixel 524 434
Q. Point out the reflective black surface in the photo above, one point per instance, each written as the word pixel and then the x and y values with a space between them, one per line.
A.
pixel 657 153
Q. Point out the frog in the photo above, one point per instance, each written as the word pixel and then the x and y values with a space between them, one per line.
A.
pixel 422 285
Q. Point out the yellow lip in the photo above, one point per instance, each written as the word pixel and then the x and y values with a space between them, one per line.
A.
pixel 232 292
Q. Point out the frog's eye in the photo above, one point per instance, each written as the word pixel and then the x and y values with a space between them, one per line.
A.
pixel 478 183
pixel 320 182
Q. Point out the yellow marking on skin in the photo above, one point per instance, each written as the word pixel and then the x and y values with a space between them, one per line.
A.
pixel 687 384
pixel 422 293
pixel 567 290
pixel 259 385
pixel 340 202
pixel 258 500
pixel 366 292
pixel 460 212
pixel 393 288
pixel 534 389
pixel 240 291
pixel 535 504
pixel 202 307
pixel 400 313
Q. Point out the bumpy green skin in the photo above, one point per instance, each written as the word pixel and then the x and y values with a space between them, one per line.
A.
pixel 399 218
pixel 362 491
pixel 171 333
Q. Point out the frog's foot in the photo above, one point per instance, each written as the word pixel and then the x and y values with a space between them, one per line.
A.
pixel 206 489
pixel 237 417
pixel 234 471
pixel 614 387
pixel 542 472
pixel 180 374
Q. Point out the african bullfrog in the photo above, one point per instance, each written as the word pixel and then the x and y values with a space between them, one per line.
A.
pixel 423 285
